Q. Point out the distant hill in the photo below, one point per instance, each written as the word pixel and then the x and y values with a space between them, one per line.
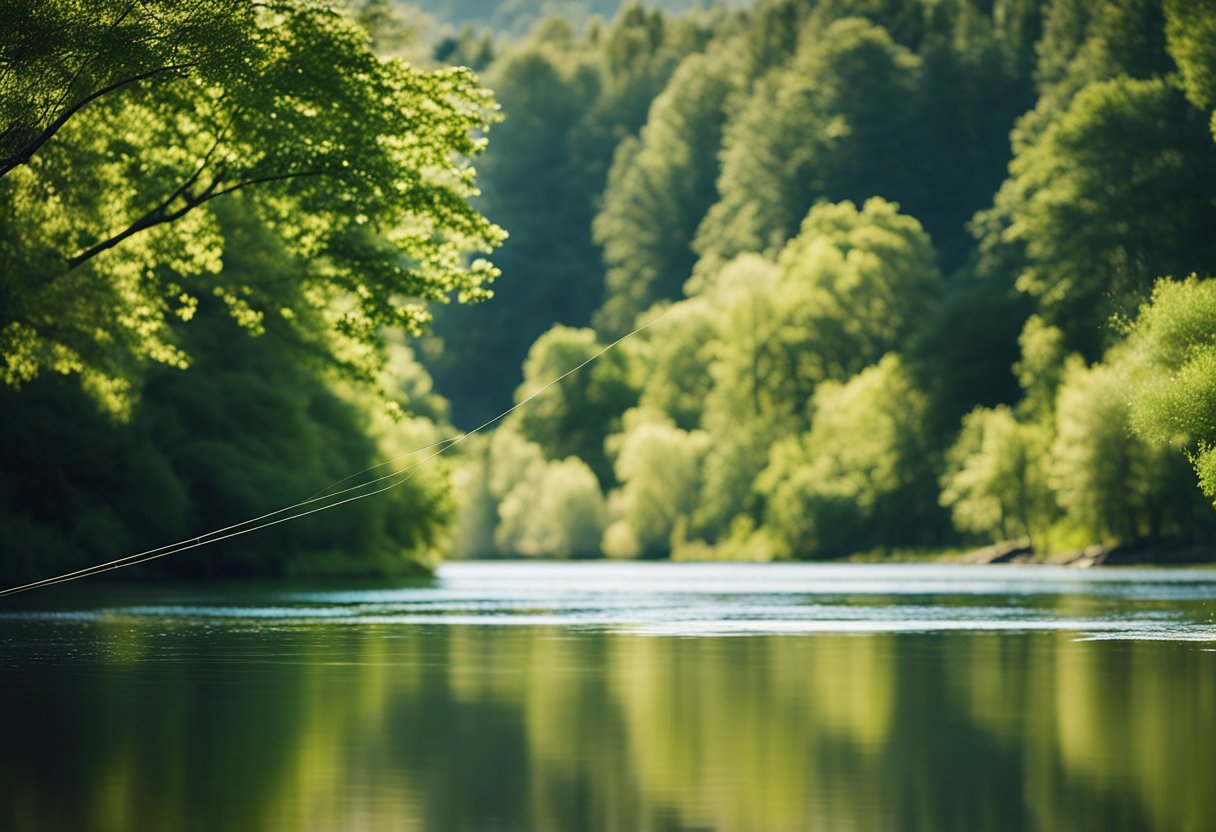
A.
pixel 516 16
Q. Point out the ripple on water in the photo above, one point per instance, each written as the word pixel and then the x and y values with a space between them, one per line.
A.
pixel 711 600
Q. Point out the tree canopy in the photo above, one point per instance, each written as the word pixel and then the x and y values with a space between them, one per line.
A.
pixel 125 126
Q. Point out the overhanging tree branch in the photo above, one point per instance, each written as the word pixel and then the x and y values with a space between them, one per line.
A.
pixel 26 152
pixel 161 215
pixel 67 89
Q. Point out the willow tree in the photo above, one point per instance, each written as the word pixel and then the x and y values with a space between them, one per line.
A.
pixel 125 125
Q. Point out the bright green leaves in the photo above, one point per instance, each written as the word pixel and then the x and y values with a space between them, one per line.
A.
pixel 513 502
pixel 858 477
pixel 996 477
pixel 1175 400
pixel 358 164
pixel 62 56
pixel 862 283
pixel 1110 483
pixel 659 468
pixel 1091 453
pixel 764 351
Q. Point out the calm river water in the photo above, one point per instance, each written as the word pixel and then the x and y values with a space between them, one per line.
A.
pixel 595 696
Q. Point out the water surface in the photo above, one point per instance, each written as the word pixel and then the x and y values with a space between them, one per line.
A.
pixel 619 697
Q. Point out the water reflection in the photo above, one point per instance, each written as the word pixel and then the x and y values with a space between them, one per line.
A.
pixel 528 728
pixel 384 709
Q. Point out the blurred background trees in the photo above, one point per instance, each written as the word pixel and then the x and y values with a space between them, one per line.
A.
pixel 894 251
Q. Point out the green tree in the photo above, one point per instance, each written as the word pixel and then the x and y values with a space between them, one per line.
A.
pixel 852 286
pixel 1040 369
pixel 573 418
pixel 996 478
pixel 1175 395
pixel 670 360
pixel 660 186
pixel 559 514
pixel 861 477
pixel 1111 483
pixel 491 467
pixel 748 405
pixel 569 100
pixel 123 129
pixel 812 131
pixel 855 284
pixel 659 468
pixel 1191 31
pixel 250 427
pixel 1078 203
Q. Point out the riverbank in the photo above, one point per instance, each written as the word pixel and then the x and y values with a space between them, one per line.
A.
pixel 1143 553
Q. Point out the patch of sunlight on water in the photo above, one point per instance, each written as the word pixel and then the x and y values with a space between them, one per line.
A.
pixel 707 600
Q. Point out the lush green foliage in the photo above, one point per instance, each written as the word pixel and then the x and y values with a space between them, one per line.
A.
pixel 248 428
pixel 573 417
pixel 1077 196
pixel 1191 30
pixel 126 127
pixel 1175 398
pixel 890 252
pixel 896 261
pixel 996 478
pixel 862 476
pixel 659 468
pixel 218 221
pixel 567 100
pixel 512 502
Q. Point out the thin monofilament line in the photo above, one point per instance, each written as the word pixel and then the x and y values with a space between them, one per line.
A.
pixel 195 543
pixel 460 437
pixel 236 530
pixel 209 537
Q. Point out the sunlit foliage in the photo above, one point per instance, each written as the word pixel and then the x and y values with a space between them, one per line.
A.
pixel 126 126
pixel 659 468
pixel 858 478
pixel 1175 400
pixel 511 502
pixel 996 477
pixel 1076 204
pixel 1110 483
pixel 573 416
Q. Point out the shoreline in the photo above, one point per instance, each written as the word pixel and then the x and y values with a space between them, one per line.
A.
pixel 1142 553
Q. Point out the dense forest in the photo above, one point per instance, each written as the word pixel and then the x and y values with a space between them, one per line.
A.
pixel 910 274
pixel 899 266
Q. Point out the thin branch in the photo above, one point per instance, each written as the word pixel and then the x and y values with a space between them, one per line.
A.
pixel 189 183
pixel 67 90
pixel 263 179
pixel 158 216
pixel 22 156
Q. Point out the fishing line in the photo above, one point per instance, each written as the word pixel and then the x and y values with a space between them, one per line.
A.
pixel 256 523
pixel 203 540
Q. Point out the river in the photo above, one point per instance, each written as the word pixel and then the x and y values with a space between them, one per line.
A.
pixel 607 696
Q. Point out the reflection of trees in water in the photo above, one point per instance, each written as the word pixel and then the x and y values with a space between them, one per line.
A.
pixel 476 728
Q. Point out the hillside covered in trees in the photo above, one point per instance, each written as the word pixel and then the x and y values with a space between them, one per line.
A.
pixel 919 275
pixel 909 275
